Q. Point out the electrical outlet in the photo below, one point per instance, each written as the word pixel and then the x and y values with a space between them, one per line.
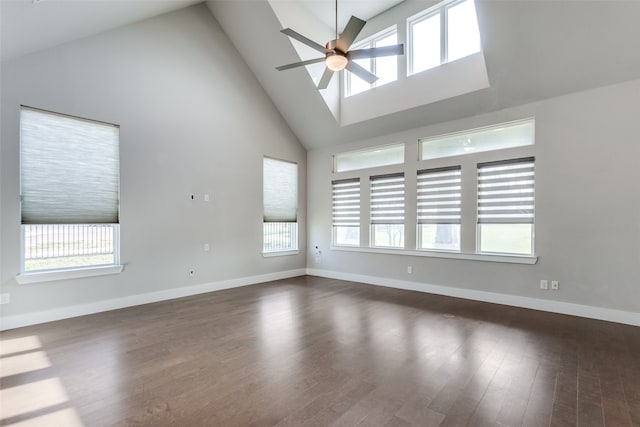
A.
pixel 192 273
pixel 555 285
pixel 409 270
pixel 206 198
pixel 5 298
pixel 207 248
pixel 544 284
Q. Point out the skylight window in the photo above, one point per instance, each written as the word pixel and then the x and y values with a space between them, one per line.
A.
pixel 386 68
pixel 444 33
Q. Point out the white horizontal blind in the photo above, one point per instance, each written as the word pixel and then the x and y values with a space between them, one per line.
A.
pixel 346 202
pixel 439 195
pixel 70 169
pixel 506 191
pixel 387 199
pixel 280 191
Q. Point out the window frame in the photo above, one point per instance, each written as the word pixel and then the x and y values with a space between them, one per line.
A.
pixel 69 271
pixel 467 162
pixel 336 208
pixel 294 237
pixel 457 176
pixel 365 152
pixel 368 43
pixel 471 132
pixel 442 9
pixel 393 222
pixel 507 162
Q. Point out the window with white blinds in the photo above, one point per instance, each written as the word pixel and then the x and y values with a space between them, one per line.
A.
pixel 70 191
pixel 506 206
pixel 387 210
pixel 439 198
pixel 346 211
pixel 505 191
pixel 280 205
pixel 470 193
pixel 439 195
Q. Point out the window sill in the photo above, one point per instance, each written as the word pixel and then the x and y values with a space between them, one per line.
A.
pixel 76 273
pixel 280 253
pixel 512 259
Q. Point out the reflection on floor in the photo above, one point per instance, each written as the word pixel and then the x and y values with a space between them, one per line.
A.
pixel 312 351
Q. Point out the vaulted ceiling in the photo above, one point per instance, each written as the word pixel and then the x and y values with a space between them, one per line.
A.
pixel 534 49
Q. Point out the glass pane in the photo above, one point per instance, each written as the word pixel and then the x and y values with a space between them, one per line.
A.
pixel 462 31
pixel 425 48
pixel 439 236
pixel 356 84
pixel 386 68
pixel 279 236
pixel 506 238
pixel 60 246
pixel 387 235
pixel 492 138
pixel 382 156
pixel 347 236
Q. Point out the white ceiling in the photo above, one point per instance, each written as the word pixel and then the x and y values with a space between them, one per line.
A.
pixel 325 10
pixel 27 26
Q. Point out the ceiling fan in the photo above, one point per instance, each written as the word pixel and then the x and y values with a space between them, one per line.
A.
pixel 337 55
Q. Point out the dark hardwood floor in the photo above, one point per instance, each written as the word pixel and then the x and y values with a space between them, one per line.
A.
pixel 317 352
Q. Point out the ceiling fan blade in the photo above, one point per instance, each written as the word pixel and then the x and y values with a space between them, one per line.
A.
pixel 351 31
pixel 325 79
pixel 376 52
pixel 304 40
pixel 300 64
pixel 361 72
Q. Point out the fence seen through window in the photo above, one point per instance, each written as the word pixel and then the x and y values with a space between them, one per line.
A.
pixel 60 246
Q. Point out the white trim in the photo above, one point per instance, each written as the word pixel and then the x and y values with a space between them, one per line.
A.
pixel 511 259
pixel 17 321
pixel 600 313
pixel 280 253
pixel 52 275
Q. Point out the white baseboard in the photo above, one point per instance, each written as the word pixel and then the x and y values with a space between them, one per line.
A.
pixel 610 315
pixel 17 321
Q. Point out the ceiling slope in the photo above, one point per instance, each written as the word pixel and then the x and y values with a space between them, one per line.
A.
pixel 533 50
pixel 28 26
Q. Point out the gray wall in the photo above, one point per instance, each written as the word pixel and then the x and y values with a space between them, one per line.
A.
pixel 193 119
pixel 587 206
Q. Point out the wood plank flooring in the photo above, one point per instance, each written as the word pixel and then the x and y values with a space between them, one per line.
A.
pixel 309 351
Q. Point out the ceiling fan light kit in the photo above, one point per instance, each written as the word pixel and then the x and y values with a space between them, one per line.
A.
pixel 337 55
pixel 336 61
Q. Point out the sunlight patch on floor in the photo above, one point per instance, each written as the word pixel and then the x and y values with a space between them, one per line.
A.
pixel 22 363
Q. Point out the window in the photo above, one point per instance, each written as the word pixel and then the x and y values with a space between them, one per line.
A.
pixel 506 206
pixel 447 32
pixel 280 206
pixel 387 211
pixel 505 135
pixel 386 67
pixel 370 158
pixel 474 196
pixel 439 200
pixel 346 212
pixel 70 197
